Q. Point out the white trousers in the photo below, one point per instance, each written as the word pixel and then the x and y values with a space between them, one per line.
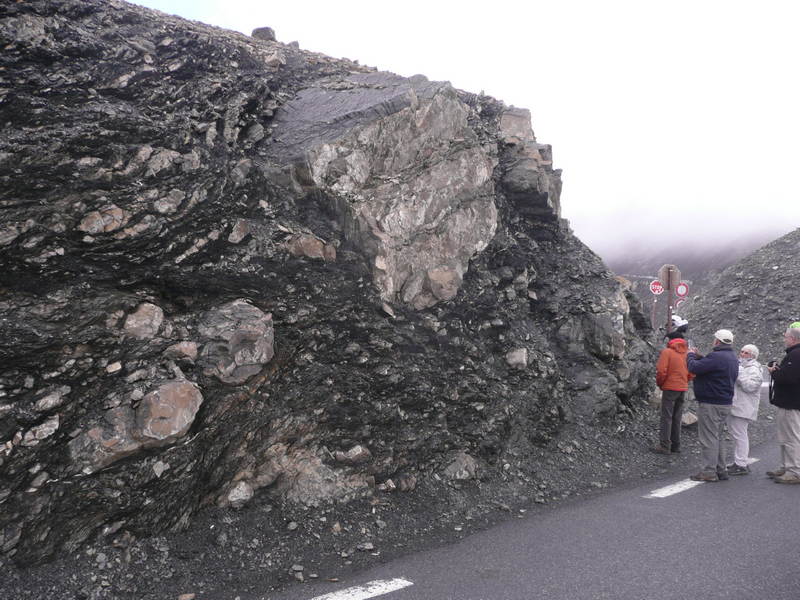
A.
pixel 737 426
pixel 788 422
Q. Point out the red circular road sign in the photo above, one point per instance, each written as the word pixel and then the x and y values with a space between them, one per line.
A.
pixel 656 287
pixel 681 290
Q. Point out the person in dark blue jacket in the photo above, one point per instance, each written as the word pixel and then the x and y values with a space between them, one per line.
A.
pixel 715 377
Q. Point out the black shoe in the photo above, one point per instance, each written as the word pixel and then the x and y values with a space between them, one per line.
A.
pixel 722 475
pixel 703 477
pixel 675 450
pixel 738 470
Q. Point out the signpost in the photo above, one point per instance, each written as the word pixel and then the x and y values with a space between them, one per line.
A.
pixel 670 275
pixel 669 281
pixel 677 291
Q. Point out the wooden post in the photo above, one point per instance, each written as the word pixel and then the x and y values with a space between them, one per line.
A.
pixel 670 276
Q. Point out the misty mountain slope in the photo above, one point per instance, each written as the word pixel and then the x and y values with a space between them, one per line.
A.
pixel 697 258
pixel 755 298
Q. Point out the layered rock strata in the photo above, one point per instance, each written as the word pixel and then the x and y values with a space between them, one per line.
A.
pixel 230 267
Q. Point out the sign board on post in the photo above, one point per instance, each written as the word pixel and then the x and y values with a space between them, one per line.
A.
pixel 656 287
pixel 670 276
pixel 682 290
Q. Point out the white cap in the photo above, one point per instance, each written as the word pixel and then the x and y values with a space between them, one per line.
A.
pixel 678 321
pixel 724 335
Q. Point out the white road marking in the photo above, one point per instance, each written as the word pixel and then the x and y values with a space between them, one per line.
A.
pixel 675 488
pixel 681 486
pixel 368 590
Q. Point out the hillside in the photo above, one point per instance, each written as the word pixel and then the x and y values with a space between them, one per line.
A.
pixel 752 298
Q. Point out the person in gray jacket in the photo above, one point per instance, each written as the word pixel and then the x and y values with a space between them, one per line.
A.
pixel 746 396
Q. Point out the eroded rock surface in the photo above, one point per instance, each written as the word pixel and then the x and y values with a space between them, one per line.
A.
pixel 408 178
pixel 233 270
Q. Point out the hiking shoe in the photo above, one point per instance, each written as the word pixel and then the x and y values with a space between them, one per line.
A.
pixel 659 450
pixel 787 478
pixel 738 470
pixel 704 477
pixel 776 473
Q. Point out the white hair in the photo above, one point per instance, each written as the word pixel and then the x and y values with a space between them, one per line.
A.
pixel 752 349
pixel 794 333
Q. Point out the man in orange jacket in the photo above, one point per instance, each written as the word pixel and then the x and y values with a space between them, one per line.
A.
pixel 672 376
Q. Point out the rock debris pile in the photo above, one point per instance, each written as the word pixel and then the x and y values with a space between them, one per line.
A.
pixel 752 298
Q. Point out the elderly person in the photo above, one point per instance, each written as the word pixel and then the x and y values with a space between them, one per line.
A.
pixel 715 375
pixel 746 396
pixel 785 394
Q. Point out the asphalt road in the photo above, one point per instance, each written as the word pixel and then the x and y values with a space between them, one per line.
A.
pixel 738 539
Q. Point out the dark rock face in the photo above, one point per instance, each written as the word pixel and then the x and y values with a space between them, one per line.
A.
pixel 753 298
pixel 230 267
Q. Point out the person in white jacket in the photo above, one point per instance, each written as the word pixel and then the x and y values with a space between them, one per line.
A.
pixel 746 395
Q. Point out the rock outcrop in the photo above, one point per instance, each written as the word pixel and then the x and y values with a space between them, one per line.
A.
pixel 230 267
pixel 752 298
pixel 406 176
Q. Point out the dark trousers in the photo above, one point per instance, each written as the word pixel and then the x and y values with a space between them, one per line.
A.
pixel 671 413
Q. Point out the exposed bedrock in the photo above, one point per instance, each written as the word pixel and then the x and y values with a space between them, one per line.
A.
pixel 231 268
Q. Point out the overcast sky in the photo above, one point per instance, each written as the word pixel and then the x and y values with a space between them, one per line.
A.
pixel 676 119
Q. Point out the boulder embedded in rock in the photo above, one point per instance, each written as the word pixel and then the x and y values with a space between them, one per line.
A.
pixel 237 341
pixel 355 456
pixel 166 413
pixel 311 247
pixel 240 494
pixel 461 467
pixel 162 417
pixel 145 322
pixel 108 218
pixel 408 177
pixel 182 351
pixel 105 442
pixel 517 358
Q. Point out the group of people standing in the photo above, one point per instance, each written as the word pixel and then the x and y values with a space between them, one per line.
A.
pixel 728 390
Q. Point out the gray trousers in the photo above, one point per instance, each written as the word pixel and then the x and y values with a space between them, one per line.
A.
pixel 788 422
pixel 671 413
pixel 710 424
